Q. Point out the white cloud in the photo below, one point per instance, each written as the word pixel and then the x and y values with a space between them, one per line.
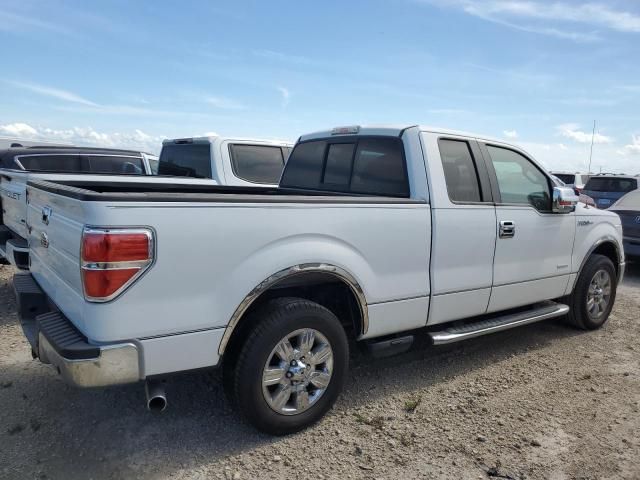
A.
pixel 136 139
pixel 54 93
pixel 286 96
pixel 210 134
pixel 18 130
pixel 633 148
pixel 571 130
pixel 224 103
pixel 538 15
pixel 510 134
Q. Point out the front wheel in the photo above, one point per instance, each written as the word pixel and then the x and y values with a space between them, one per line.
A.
pixel 292 366
pixel 594 294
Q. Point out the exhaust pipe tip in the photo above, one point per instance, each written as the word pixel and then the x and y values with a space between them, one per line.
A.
pixel 157 404
pixel 156 397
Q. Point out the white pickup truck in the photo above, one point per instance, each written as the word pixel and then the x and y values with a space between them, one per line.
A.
pixel 212 160
pixel 375 235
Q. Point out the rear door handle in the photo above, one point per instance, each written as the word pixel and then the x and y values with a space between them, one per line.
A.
pixel 507 229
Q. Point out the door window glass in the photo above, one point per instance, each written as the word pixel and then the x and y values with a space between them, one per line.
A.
pixel 519 180
pixel 460 171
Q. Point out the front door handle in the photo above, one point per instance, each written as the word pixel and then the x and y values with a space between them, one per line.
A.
pixel 507 229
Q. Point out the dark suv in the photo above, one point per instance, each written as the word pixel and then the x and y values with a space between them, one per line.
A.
pixel 607 189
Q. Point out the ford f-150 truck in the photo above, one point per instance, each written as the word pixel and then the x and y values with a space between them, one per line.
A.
pixel 375 235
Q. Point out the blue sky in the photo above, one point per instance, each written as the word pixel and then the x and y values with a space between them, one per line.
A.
pixel 131 73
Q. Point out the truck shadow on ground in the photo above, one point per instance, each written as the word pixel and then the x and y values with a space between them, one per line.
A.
pixel 55 429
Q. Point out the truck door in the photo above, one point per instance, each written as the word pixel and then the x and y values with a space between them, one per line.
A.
pixel 534 245
pixel 464 233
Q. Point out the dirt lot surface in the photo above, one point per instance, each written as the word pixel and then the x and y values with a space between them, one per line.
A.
pixel 539 402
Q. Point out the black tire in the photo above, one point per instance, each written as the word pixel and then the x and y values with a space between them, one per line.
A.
pixel 579 315
pixel 271 323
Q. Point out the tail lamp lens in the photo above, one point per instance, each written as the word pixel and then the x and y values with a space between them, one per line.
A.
pixel 113 259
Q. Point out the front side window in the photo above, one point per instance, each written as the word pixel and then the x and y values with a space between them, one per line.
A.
pixel 257 163
pixel 519 180
pixel 460 171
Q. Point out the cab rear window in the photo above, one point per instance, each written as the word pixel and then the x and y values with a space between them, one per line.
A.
pixel 185 160
pixel 609 184
pixel 359 165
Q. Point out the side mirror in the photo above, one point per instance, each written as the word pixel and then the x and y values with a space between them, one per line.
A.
pixel 564 200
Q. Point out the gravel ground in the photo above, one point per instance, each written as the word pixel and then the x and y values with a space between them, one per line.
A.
pixel 539 402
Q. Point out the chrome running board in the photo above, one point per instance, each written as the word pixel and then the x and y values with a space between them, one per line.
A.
pixel 496 324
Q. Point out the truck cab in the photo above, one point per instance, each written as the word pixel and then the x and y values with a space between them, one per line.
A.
pixel 227 160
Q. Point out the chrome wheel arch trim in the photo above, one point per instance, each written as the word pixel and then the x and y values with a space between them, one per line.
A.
pixel 295 270
pixel 620 266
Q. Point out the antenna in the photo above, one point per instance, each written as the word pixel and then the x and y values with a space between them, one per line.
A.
pixel 593 134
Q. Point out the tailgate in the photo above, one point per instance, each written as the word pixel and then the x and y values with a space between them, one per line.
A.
pixel 56 224
pixel 14 201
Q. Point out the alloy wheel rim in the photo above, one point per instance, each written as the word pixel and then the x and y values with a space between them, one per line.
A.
pixel 297 371
pixel 599 294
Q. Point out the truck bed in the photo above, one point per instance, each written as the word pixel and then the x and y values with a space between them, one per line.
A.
pixel 176 192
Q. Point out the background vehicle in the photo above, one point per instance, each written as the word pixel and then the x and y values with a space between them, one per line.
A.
pixel 366 238
pixel 606 189
pixel 228 161
pixel 576 180
pixel 587 200
pixel 628 208
pixel 20 164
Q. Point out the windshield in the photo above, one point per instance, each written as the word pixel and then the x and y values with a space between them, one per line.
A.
pixel 185 160
pixel 611 184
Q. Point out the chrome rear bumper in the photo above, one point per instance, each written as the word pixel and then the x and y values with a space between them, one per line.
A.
pixel 115 365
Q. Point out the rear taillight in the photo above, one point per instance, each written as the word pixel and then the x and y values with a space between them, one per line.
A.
pixel 112 259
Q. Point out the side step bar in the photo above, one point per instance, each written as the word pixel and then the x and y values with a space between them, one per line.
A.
pixel 499 323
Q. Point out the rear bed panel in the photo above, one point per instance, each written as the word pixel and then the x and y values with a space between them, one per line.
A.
pixel 209 256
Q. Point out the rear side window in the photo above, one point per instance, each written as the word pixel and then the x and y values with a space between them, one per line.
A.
pixel 257 163
pixel 51 163
pixel 114 165
pixel 185 160
pixel 364 165
pixel 609 184
pixel 460 171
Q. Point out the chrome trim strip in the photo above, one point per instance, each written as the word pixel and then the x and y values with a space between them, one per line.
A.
pixel 337 272
pixel 117 364
pixel 444 337
pixel 606 238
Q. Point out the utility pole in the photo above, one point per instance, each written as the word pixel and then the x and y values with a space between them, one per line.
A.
pixel 593 134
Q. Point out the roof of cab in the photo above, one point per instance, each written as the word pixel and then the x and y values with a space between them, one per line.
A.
pixel 396 130
pixel 218 138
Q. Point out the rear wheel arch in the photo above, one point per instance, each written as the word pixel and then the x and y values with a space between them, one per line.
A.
pixel 328 285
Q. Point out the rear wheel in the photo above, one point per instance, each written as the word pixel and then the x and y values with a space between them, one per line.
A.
pixel 291 368
pixel 594 294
